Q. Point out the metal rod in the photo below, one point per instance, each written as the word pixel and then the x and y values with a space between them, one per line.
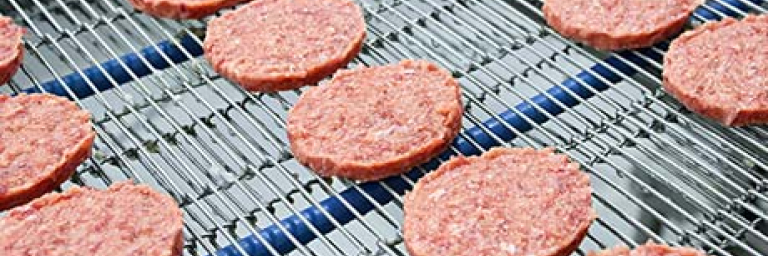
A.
pixel 609 131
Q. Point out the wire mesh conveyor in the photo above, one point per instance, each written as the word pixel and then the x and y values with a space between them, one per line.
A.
pixel 164 118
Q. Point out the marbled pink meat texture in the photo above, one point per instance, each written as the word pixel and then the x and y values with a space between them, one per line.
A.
pixel 11 49
pixel 182 9
pixel 272 45
pixel 371 123
pixel 719 70
pixel 618 24
pixel 517 202
pixel 43 138
pixel 123 220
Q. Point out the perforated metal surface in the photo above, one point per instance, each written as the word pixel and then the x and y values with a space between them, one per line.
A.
pixel 659 172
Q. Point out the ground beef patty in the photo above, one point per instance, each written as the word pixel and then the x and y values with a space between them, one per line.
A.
pixel 124 220
pixel 522 202
pixel 11 49
pixel 719 70
pixel 43 138
pixel 649 249
pixel 182 9
pixel 271 45
pixel 618 24
pixel 370 123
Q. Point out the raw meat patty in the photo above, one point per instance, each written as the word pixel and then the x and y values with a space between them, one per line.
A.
pixel 123 220
pixel 649 249
pixel 272 45
pixel 719 70
pixel 618 24
pixel 11 49
pixel 182 9
pixel 370 123
pixel 522 202
pixel 43 138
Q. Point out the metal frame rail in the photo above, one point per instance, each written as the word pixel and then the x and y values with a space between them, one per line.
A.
pixel 708 189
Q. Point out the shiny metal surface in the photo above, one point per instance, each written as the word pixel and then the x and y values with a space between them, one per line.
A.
pixel 659 172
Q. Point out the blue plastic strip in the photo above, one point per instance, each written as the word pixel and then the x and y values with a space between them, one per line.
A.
pixel 80 86
pixel 153 54
pixel 278 239
pixel 334 206
pixel 342 214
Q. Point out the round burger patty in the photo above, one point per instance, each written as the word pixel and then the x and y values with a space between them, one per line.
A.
pixel 524 202
pixel 719 70
pixel 272 45
pixel 43 138
pixel 649 249
pixel 123 220
pixel 618 24
pixel 11 49
pixel 182 9
pixel 370 123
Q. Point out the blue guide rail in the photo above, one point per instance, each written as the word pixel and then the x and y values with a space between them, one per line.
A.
pixel 356 198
